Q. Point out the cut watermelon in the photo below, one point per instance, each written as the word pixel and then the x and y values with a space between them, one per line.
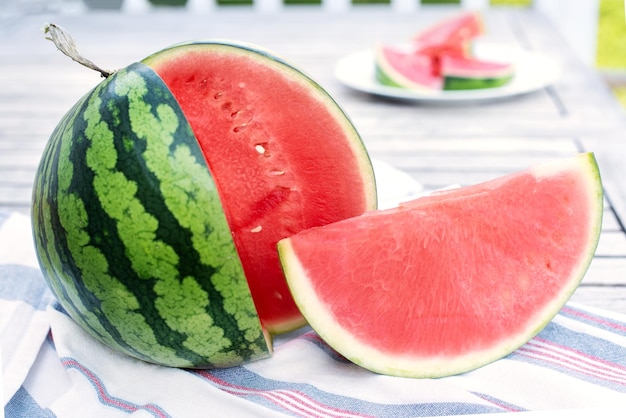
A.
pixel 440 58
pixel 452 281
pixel 464 73
pixel 398 67
pixel 272 138
pixel 406 68
pixel 161 194
pixel 451 34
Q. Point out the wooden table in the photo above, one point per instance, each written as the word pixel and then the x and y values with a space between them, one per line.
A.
pixel 438 145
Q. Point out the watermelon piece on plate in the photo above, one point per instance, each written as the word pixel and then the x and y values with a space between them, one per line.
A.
pixel 451 34
pixel 451 281
pixel 441 58
pixel 467 73
pixel 402 67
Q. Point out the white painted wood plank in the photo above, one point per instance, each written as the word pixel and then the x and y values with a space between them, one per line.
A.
pixel 612 245
pixel 609 298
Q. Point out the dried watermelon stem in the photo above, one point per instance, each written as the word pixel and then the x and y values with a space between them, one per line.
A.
pixel 65 43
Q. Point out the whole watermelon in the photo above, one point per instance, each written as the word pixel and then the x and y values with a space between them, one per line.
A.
pixel 161 195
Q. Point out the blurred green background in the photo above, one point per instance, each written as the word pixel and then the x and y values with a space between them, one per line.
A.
pixel 611 46
pixel 611 55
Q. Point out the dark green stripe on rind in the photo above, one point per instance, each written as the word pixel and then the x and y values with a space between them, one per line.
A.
pixel 54 258
pixel 468 83
pixel 131 233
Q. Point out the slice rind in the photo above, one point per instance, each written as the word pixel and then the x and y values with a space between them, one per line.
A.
pixel 453 281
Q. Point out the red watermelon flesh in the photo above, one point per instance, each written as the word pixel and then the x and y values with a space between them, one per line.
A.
pixel 467 67
pixel 452 281
pixel 283 155
pixel 450 35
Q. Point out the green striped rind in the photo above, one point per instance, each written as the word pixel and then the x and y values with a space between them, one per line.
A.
pixel 384 79
pixel 467 83
pixel 131 234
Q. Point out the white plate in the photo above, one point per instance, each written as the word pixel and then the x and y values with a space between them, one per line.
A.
pixel 533 71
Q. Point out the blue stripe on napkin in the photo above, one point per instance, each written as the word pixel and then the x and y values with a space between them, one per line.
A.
pixel 30 288
pixel 594 319
pixel 505 406
pixel 304 400
pixel 577 354
pixel 4 216
pixel 23 405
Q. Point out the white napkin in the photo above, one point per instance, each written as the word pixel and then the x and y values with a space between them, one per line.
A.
pixel 23 323
pixel 394 186
pixel 577 362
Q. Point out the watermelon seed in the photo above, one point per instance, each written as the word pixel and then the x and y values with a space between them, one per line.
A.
pixel 276 172
pixel 240 128
pixel 218 95
pixel 256 229
pixel 259 148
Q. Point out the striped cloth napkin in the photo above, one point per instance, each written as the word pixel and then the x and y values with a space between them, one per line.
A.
pixel 51 368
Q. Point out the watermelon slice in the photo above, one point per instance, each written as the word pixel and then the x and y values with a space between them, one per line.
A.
pixel 466 73
pixel 451 35
pixel 452 281
pixel 399 67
